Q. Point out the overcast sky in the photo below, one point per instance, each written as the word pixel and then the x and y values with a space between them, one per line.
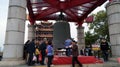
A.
pixel 3 21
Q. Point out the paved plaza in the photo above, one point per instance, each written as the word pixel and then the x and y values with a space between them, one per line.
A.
pixel 105 64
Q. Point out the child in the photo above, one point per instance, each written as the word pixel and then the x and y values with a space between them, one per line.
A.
pixel 49 51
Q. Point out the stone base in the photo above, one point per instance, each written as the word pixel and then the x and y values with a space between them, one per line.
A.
pixel 11 63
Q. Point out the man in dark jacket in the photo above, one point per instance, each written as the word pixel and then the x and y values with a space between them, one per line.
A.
pixel 75 54
pixel 105 49
pixel 25 53
pixel 31 51
pixel 42 49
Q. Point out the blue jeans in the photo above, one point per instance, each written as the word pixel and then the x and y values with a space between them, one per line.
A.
pixel 68 51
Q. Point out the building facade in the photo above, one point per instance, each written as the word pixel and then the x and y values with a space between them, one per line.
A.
pixel 44 30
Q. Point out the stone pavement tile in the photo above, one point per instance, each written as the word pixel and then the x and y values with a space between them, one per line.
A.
pixel 93 65
pixel 111 65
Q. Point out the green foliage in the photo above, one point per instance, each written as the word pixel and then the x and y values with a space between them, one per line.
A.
pixel 90 38
pixel 99 27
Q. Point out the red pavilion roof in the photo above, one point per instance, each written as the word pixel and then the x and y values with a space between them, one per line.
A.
pixel 74 10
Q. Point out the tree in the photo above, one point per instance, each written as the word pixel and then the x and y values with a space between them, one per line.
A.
pixel 99 27
pixel 90 38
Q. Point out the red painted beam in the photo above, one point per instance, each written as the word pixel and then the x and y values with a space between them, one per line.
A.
pixel 56 17
pixel 80 23
pixel 71 14
pixel 67 5
pixel 46 12
pixel 63 6
pixel 79 9
pixel 38 3
pixel 53 3
pixel 74 3
pixel 110 0
pixel 40 6
pixel 89 19
pixel 31 15
pixel 98 3
pixel 76 11
pixel 56 6
pixel 87 6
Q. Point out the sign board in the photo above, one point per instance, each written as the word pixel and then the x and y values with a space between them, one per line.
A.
pixel 95 47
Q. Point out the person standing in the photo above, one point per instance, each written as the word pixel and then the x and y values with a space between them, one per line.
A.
pixel 37 53
pixel 42 49
pixel 25 52
pixel 67 46
pixel 50 53
pixel 75 54
pixel 105 49
pixel 82 51
pixel 31 51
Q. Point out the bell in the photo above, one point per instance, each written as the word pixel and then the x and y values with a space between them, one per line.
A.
pixel 60 34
